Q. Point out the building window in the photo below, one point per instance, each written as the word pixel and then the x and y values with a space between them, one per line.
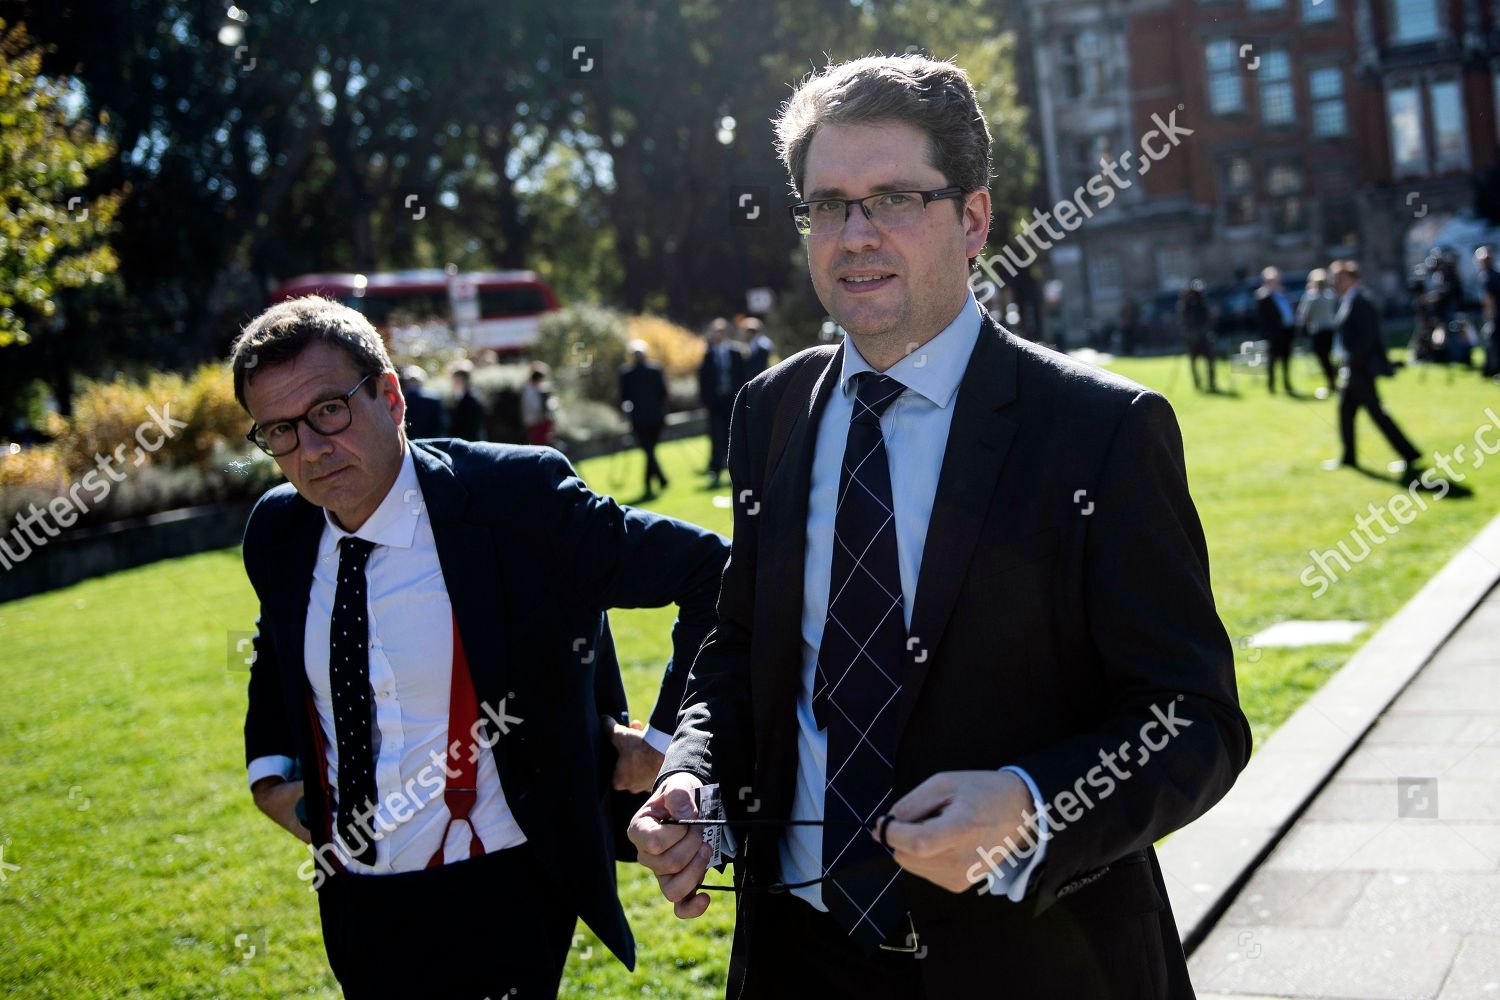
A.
pixel 1173 268
pixel 1284 189
pixel 1340 220
pixel 1326 88
pixel 1265 4
pixel 1083 65
pixel 1414 20
pixel 1239 191
pixel 1314 11
pixel 1104 276
pixel 1225 93
pixel 1089 156
pixel 1275 76
pixel 1449 140
pixel 1403 111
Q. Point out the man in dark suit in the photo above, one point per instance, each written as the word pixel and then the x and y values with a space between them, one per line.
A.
pixel 1274 313
pixel 719 378
pixel 643 397
pixel 967 584
pixel 466 416
pixel 1358 324
pixel 433 654
pixel 758 347
pixel 424 411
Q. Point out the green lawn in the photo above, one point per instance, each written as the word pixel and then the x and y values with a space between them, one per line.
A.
pixel 146 871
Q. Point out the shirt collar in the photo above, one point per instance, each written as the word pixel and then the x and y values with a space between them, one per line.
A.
pixel 932 370
pixel 393 522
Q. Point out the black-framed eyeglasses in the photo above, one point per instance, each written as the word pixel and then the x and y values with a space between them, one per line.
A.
pixel 885 210
pixel 778 886
pixel 328 417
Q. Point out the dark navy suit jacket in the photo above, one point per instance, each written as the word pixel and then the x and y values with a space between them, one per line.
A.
pixel 531 559
pixel 1062 607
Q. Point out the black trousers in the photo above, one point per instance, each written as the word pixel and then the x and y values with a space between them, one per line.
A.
pixel 1322 345
pixel 475 928
pixel 1360 391
pixel 647 436
pixel 802 952
pixel 1281 352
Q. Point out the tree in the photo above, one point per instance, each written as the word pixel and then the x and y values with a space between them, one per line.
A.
pixel 51 235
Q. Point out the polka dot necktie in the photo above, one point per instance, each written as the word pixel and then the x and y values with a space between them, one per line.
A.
pixel 349 679
pixel 859 676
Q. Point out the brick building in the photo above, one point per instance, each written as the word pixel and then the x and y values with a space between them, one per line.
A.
pixel 1321 128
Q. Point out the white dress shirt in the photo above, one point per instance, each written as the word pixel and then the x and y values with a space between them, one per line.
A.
pixel 411 672
pixel 915 428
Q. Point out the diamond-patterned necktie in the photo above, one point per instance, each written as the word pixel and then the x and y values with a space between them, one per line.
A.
pixel 859 676
pixel 349 681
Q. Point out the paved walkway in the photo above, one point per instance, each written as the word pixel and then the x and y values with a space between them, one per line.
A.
pixel 1389 885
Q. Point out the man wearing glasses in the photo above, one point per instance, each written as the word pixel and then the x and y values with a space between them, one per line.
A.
pixel 433 654
pixel 967 667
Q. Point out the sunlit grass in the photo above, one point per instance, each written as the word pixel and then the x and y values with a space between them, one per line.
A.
pixel 142 859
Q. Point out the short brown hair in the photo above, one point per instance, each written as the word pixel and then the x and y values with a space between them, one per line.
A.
pixel 933 95
pixel 285 330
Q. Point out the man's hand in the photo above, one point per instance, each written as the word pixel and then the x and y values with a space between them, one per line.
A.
pixel 676 855
pixel 637 762
pixel 277 798
pixel 940 826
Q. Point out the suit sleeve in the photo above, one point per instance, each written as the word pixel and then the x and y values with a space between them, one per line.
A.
pixel 714 733
pixel 1175 733
pixel 623 557
pixel 268 732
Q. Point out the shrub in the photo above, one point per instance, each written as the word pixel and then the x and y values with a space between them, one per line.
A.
pixel 679 350
pixel 207 461
pixel 585 345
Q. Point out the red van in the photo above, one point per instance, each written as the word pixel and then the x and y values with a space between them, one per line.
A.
pixel 490 310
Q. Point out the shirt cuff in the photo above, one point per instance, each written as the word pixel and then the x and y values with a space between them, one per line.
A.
pixel 1008 872
pixel 265 767
pixel 657 740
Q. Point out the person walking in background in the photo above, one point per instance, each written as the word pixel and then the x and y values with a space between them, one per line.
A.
pixel 1489 299
pixel 1359 329
pixel 1315 314
pixel 1197 328
pixel 758 347
pixel 719 379
pixel 424 411
pixel 537 404
pixel 643 399
pixel 466 414
pixel 1273 311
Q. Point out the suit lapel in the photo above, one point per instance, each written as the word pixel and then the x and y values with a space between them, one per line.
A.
pixel 471 575
pixel 782 555
pixel 295 557
pixel 978 440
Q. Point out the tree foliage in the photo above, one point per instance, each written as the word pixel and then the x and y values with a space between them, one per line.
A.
pixel 51 235
pixel 605 145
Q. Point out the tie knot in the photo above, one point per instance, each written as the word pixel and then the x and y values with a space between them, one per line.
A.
pixel 355 550
pixel 872 394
